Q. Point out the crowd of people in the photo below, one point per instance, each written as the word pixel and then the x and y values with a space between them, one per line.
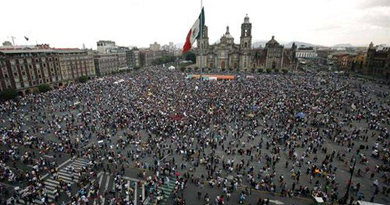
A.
pixel 292 135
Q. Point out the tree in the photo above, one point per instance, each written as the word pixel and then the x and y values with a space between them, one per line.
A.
pixel 190 56
pixel 284 70
pixel 260 70
pixel 268 70
pixel 83 79
pixel 8 94
pixel 182 68
pixel 44 88
pixel 163 60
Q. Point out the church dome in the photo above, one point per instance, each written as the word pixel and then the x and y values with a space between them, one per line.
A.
pixel 272 43
pixel 246 19
pixel 227 34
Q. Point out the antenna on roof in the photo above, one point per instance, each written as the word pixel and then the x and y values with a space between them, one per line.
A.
pixel 13 39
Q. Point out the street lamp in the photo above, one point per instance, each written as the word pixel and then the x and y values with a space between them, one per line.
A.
pixel 344 200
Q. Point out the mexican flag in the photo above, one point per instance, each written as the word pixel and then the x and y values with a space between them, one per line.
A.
pixel 194 32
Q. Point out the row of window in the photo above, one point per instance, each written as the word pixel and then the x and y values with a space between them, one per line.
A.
pixel 26 84
pixel 29 60
pixel 7 83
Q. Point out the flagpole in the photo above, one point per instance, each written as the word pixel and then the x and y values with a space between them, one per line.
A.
pixel 201 38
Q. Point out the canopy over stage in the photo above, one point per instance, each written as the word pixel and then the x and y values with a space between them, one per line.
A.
pixel 212 77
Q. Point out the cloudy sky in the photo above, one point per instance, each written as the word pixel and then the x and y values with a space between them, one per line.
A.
pixel 70 23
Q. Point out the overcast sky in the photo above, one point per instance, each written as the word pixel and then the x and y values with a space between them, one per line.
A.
pixel 70 23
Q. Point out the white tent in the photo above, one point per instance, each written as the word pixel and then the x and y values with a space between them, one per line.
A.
pixel 119 81
pixel 367 203
pixel 171 68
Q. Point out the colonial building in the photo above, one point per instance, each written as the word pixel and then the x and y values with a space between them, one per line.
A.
pixel 75 63
pixel 24 69
pixel 378 61
pixel 106 64
pixel 342 61
pixel 306 52
pixel 359 62
pixel 133 58
pixel 105 46
pixel 155 47
pixel 150 56
pixel 227 54
pixel 21 69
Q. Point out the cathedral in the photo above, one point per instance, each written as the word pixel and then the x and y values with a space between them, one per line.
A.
pixel 228 55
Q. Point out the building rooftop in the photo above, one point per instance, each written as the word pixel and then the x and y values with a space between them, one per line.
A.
pixel 39 50
pixel 272 43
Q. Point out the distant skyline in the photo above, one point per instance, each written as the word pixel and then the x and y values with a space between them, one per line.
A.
pixel 141 22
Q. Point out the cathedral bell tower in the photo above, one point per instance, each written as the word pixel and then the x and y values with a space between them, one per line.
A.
pixel 246 34
pixel 202 47
pixel 204 41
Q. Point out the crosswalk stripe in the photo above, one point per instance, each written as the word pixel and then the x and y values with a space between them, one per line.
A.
pixel 52 190
pixel 81 160
pixel 107 181
pixel 64 173
pixel 67 174
pixel 131 179
pixel 50 184
pixel 78 168
pixel 66 179
pixel 79 164
pixel 48 156
pixel 165 188
pixel 100 180
pixel 51 196
pixel 128 195
pixel 35 201
pixel 52 181
pixel 89 194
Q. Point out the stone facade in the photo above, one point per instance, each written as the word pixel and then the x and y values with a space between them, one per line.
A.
pixel 122 63
pixel 133 58
pixel 75 63
pixel 150 56
pixel 25 69
pixel 106 64
pixel 228 55
pixel 20 69
pixel 104 46
pixel 155 47
pixel 378 61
